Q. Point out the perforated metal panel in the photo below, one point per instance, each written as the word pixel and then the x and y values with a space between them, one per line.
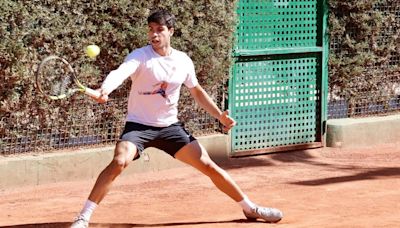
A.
pixel 276 24
pixel 276 90
pixel 275 102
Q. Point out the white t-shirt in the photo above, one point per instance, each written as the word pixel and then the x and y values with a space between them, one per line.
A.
pixel 156 84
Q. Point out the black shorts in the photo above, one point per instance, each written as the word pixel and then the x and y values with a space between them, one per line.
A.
pixel 169 139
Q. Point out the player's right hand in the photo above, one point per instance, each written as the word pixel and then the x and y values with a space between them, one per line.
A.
pixel 104 96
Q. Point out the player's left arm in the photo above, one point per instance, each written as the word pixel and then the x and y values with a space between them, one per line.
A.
pixel 204 100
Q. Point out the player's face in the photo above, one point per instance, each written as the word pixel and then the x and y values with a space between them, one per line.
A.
pixel 159 36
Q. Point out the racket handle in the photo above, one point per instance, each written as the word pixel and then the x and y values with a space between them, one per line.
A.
pixel 92 93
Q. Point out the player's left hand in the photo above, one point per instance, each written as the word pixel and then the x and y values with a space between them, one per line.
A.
pixel 226 120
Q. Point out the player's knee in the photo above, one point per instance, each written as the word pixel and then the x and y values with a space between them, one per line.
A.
pixel 122 157
pixel 118 165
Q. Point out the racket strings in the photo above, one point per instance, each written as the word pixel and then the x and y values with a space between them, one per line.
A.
pixel 62 86
pixel 56 78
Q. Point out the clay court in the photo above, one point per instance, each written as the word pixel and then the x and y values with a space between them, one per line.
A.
pixel 314 188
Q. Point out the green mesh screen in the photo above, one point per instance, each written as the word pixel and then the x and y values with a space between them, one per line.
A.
pixel 276 24
pixel 277 75
pixel 275 102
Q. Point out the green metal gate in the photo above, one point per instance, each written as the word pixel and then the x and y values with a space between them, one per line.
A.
pixel 278 85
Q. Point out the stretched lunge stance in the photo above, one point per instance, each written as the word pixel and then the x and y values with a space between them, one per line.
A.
pixel 152 119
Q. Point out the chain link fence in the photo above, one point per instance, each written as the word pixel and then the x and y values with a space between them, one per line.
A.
pixel 90 124
pixel 32 30
pixel 364 73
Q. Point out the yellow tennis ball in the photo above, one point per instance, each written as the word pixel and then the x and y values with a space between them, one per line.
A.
pixel 92 50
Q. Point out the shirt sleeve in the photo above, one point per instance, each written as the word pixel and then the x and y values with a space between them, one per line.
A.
pixel 116 77
pixel 191 79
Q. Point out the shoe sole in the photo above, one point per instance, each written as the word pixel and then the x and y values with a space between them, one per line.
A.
pixel 255 219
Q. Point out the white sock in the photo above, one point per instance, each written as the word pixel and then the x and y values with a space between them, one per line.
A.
pixel 246 204
pixel 88 209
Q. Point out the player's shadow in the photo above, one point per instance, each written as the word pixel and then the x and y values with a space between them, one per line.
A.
pixel 126 225
pixel 369 174
pixel 270 158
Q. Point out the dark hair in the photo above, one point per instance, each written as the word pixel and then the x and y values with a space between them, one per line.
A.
pixel 162 17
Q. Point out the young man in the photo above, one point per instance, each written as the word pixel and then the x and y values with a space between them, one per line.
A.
pixel 158 72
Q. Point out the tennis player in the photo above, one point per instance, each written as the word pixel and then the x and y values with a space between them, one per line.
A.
pixel 157 72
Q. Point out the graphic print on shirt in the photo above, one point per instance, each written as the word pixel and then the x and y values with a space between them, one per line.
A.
pixel 159 88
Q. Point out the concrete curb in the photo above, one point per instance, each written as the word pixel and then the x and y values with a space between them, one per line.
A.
pixel 362 132
pixel 84 164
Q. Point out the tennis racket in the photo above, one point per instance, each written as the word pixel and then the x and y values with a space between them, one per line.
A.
pixel 56 79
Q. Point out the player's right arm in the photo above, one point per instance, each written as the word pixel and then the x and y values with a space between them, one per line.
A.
pixel 116 77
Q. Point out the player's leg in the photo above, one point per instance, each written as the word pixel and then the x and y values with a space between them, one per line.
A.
pixel 195 155
pixel 124 153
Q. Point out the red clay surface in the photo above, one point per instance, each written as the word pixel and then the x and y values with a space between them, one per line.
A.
pixel 314 188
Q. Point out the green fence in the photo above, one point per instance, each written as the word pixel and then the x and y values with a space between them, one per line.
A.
pixel 279 76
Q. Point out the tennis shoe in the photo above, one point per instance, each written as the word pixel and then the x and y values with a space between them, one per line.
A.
pixel 80 222
pixel 268 214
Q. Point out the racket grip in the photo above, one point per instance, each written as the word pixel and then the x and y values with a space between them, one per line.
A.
pixel 92 93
